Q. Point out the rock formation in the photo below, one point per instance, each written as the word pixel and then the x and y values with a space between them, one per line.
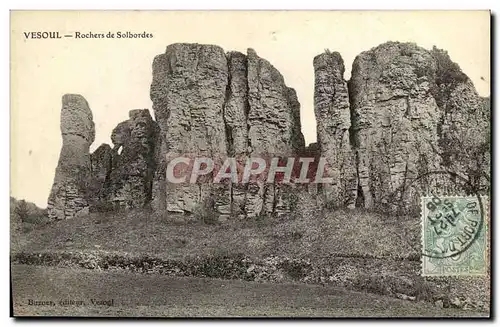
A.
pixel 236 120
pixel 133 161
pixel 188 94
pixel 414 112
pixel 101 163
pixel 69 196
pixel 274 131
pixel 395 120
pixel 408 123
pixel 464 127
pixel 211 104
pixel 122 176
pixel 333 119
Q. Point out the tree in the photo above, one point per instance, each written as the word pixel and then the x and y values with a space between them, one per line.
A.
pixel 21 210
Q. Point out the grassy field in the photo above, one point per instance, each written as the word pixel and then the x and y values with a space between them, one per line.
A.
pixel 340 233
pixel 141 295
pixel 352 249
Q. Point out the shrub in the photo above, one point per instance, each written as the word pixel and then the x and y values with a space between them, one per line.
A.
pixel 21 211
pixel 296 269
pixel 448 72
pixel 206 212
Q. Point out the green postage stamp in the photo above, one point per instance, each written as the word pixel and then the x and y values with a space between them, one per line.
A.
pixel 454 236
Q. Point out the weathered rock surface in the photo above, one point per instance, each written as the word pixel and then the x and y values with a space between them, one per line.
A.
pixel 464 128
pixel 236 122
pixel 188 94
pixel 273 107
pixel 133 161
pixel 236 107
pixel 69 196
pixel 274 131
pixel 407 124
pixel 414 112
pixel 101 163
pixel 210 104
pixel 333 119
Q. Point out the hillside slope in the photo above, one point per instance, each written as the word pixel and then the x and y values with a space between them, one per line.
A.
pixel 354 249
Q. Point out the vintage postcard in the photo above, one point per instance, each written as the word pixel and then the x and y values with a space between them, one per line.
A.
pixel 250 164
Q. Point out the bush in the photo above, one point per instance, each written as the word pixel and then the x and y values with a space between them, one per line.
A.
pixel 26 216
pixel 206 212
pixel 296 269
pixel 21 211
pixel 448 72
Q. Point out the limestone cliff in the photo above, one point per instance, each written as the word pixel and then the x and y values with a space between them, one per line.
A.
pixel 211 104
pixel 273 131
pixel 333 120
pixel 409 122
pixel 414 113
pixel 188 94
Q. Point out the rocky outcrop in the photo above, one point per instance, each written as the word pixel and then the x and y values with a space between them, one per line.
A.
pixel 236 122
pixel 133 161
pixel 464 127
pixel 108 178
pixel 407 124
pixel 414 113
pixel 274 131
pixel 395 120
pixel 188 94
pixel 333 117
pixel 101 163
pixel 273 116
pixel 69 196
pixel 211 104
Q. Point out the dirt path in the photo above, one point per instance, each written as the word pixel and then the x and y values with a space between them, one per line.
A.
pixel 159 296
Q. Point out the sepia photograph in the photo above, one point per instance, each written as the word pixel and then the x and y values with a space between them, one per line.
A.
pixel 250 164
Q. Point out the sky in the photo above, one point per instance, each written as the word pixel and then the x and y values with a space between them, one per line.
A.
pixel 114 75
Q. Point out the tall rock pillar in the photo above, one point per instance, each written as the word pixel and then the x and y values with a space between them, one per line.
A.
pixel 333 117
pixel 188 94
pixel 69 196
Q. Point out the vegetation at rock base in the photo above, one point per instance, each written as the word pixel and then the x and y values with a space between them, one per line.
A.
pixel 355 249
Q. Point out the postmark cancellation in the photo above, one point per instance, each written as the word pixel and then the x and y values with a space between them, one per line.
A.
pixel 454 235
